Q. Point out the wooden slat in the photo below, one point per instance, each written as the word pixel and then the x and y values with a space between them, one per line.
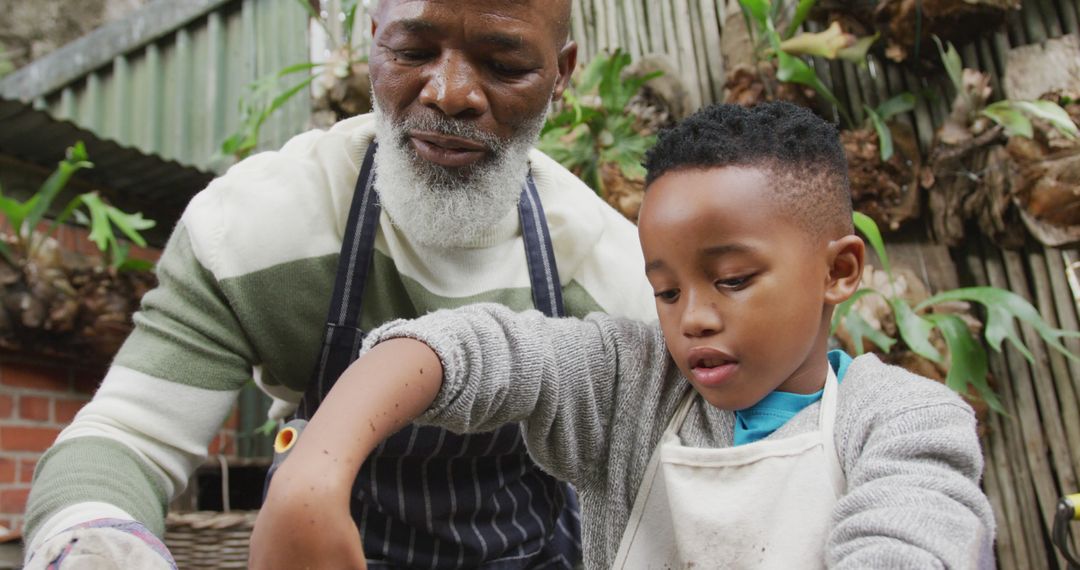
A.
pixel 1013 494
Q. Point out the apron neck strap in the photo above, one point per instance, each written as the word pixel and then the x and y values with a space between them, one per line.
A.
pixel 539 252
pixel 343 335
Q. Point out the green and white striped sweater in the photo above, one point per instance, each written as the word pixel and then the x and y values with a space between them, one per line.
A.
pixel 245 284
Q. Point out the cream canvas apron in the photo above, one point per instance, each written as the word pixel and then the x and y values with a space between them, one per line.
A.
pixel 766 504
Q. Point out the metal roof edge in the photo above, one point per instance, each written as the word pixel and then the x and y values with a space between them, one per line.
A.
pixel 96 49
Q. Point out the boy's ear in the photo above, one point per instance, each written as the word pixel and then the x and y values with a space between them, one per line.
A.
pixel 846 256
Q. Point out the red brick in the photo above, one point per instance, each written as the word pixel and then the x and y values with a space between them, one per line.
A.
pixel 215 445
pixel 233 422
pixel 34 408
pixel 13 500
pixel 23 375
pixel 18 438
pixel 26 469
pixel 7 404
pixel 64 409
pixel 7 470
pixel 229 445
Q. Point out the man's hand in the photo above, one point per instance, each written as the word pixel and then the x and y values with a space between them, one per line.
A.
pixel 304 526
pixel 103 544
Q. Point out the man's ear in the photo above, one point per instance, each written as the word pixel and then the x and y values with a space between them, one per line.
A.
pixel 846 257
pixel 567 63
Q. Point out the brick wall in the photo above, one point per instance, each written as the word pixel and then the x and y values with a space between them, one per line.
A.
pixel 37 400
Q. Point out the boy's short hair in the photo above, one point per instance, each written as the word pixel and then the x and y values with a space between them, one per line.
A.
pixel 800 151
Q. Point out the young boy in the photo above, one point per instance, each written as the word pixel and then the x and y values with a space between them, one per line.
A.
pixel 726 436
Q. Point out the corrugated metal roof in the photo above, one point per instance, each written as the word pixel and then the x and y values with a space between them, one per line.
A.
pixel 132 180
pixel 168 79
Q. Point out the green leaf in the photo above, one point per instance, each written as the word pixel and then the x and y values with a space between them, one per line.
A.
pixel 901 103
pixel 43 198
pixel 1050 112
pixel 348 7
pixel 802 11
pixel 885 141
pixel 869 228
pixel 137 265
pixel 71 209
pixel 1003 308
pixel 844 308
pixel 953 66
pixel 857 326
pixel 856 52
pixel 268 428
pixel 914 330
pixel 757 10
pixel 592 74
pixel 824 44
pixel 968 364
pixel 130 224
pixel 100 230
pixel 859 329
pixel 15 212
pixel 1006 115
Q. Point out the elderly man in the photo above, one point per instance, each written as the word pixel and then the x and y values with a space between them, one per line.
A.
pixel 435 200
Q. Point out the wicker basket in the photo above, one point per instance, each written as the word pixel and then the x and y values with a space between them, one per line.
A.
pixel 209 540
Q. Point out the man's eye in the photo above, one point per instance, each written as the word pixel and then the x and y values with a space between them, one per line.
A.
pixel 667 296
pixel 411 55
pixel 508 70
pixel 734 283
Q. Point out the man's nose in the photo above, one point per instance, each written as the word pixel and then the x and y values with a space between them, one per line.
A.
pixel 701 317
pixel 454 87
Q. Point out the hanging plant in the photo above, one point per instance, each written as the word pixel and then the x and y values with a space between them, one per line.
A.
pixel 937 335
pixel 341 84
pixel 907 26
pixel 57 302
pixel 594 136
pixel 883 164
pixel 967 171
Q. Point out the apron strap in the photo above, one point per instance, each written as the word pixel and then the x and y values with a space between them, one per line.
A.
pixel 543 274
pixel 827 423
pixel 343 336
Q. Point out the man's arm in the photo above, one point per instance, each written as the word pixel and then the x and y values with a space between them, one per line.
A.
pixel 171 386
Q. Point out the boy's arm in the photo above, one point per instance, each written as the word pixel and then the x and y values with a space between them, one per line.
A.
pixel 305 521
pixel 913 498
pixel 473 369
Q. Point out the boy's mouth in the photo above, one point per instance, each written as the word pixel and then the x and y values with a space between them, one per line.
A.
pixel 711 367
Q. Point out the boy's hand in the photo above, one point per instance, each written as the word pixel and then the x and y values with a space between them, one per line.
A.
pixel 301 526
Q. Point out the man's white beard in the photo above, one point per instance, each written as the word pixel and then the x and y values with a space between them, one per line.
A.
pixel 434 205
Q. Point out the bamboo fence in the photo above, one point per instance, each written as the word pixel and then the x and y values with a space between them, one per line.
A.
pixel 1033 453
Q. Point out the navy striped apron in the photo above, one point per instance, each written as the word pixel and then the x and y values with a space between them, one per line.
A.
pixel 428 498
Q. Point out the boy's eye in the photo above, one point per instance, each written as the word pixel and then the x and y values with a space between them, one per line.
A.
pixel 667 295
pixel 734 283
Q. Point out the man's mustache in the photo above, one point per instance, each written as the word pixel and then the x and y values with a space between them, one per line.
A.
pixel 446 126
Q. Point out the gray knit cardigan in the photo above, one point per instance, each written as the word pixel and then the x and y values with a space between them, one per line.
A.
pixel 595 395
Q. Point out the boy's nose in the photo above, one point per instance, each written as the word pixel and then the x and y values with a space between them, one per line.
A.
pixel 701 318
pixel 454 87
